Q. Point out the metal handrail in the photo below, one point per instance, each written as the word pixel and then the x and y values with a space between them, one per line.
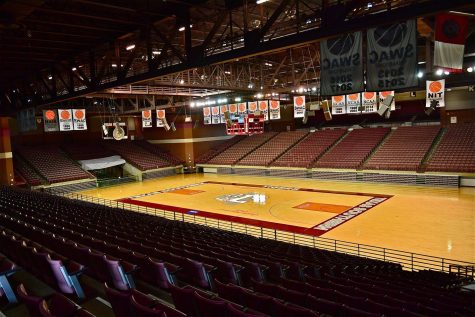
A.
pixel 408 260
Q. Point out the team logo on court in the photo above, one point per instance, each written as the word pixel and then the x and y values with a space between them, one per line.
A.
pixel 234 199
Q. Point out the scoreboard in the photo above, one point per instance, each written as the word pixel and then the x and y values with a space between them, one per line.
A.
pixel 245 125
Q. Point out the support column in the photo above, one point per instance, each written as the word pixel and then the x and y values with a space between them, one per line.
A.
pixel 6 161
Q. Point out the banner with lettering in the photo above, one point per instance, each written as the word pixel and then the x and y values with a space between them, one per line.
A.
pixel 233 109
pixel 222 110
pixel 252 107
pixel 65 120
pixel 50 120
pixel 274 106
pixel 242 108
pixel 215 117
pixel 383 95
pixel 391 61
pixel 264 109
pixel 341 65
pixel 146 119
pixel 161 117
pixel 79 119
pixel 338 104
pixel 299 106
pixel 435 93
pixel 369 102
pixel 207 115
pixel 353 103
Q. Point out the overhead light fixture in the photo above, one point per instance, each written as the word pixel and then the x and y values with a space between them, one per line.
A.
pixel 156 52
pixel 181 29
pixel 114 65
pixel 268 64
pixel 470 69
pixel 420 74
pixel 439 72
pixel 237 99
pixel 130 47
pixel 370 5
pixel 261 1
pixel 227 72
pixel 182 81
pixel 73 69
pixel 250 86
pixel 50 77
pixel 420 63
pixel 446 72
pixel 192 104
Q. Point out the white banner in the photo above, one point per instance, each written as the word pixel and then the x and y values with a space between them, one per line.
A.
pixel 207 115
pixel 264 109
pixel 215 118
pixel 299 106
pixel 435 93
pixel 146 119
pixel 233 109
pixel 79 119
pixel 353 103
pixel 222 110
pixel 65 120
pixel 369 102
pixel 242 108
pixel 252 107
pixel 160 117
pixel 383 95
pixel 274 109
pixel 338 104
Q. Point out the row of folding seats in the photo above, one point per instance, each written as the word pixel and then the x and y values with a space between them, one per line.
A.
pixel 155 149
pixel 208 155
pixel 31 177
pixel 85 151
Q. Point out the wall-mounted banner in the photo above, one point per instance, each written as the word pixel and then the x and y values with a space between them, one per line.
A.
pixel 222 110
pixel 147 119
pixel 65 120
pixel 264 109
pixel 50 119
pixel 435 93
pixel 207 115
pixel 338 104
pixel 299 106
pixel 252 107
pixel 391 61
pixel 242 108
pixel 215 117
pixel 79 119
pixel 161 117
pixel 353 103
pixel 369 102
pixel 274 106
pixel 383 95
pixel 341 65
pixel 233 109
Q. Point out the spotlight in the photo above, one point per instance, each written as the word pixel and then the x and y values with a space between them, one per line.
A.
pixel 470 69
pixel 439 72
pixel 130 47
pixel 420 74
pixel 446 73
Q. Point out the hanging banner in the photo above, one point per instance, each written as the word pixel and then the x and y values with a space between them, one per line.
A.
pixel 450 35
pixel 274 109
pixel 65 120
pixel 79 119
pixel 353 103
pixel 222 110
pixel 435 93
pixel 207 115
pixel 160 118
pixel 146 119
pixel 338 104
pixel 242 108
pixel 341 65
pixel 252 107
pixel 391 59
pixel 233 109
pixel 369 102
pixel 383 95
pixel 215 117
pixel 264 109
pixel 299 106
pixel 50 119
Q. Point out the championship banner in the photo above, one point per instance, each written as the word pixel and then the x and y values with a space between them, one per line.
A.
pixel 369 102
pixel 207 115
pixel 160 117
pixel 338 104
pixel 383 95
pixel 79 119
pixel 146 119
pixel 252 107
pixel 341 65
pixel 50 119
pixel 215 117
pixel 264 109
pixel 299 106
pixel 353 103
pixel 222 110
pixel 233 109
pixel 450 35
pixel 274 109
pixel 242 108
pixel 391 61
pixel 65 120
pixel 435 93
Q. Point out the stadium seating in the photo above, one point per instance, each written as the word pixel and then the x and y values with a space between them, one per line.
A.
pixel 85 151
pixel 51 163
pixel 404 149
pixel 205 157
pixel 456 150
pixel 309 149
pixel 267 153
pixel 28 174
pixel 155 149
pixel 351 152
pixel 241 149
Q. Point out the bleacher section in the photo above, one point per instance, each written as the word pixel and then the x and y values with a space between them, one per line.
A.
pixel 85 151
pixel 155 149
pixel 309 149
pixel 136 155
pixel 30 176
pixel 205 157
pixel 456 150
pixel 404 149
pixel 267 153
pixel 51 163
pixel 351 152
pixel 236 152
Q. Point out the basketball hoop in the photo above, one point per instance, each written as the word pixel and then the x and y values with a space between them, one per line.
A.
pixel 245 125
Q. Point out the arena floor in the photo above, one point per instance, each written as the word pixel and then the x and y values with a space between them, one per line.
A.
pixel 425 220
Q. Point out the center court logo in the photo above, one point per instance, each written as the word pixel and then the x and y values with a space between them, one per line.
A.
pixel 234 199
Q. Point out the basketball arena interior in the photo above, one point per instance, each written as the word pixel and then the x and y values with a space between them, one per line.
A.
pixel 237 158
